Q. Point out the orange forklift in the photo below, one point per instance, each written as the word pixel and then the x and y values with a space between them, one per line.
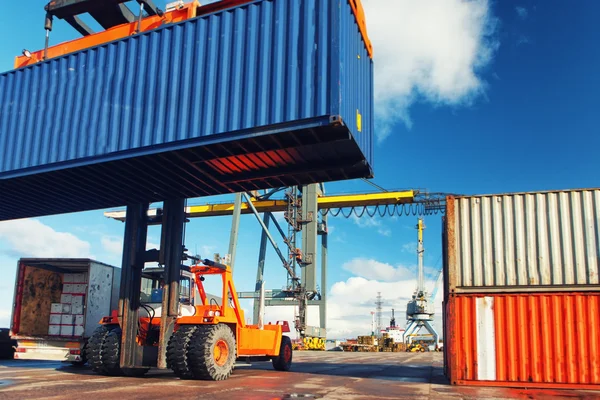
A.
pixel 208 338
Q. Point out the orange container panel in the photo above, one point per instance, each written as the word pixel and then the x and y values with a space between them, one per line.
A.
pixel 545 340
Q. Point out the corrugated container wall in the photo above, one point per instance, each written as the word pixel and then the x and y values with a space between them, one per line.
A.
pixel 526 240
pixel 545 340
pixel 271 93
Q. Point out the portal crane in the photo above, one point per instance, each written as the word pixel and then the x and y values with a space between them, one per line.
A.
pixel 407 202
pixel 420 310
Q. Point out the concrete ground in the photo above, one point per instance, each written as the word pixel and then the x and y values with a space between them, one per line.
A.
pixel 314 375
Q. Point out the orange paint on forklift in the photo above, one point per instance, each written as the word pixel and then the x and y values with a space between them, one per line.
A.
pixel 250 339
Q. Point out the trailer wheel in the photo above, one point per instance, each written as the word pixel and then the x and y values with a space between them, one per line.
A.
pixel 212 352
pixel 283 362
pixel 177 351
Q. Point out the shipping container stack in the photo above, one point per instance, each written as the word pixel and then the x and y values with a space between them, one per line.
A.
pixel 522 291
pixel 67 317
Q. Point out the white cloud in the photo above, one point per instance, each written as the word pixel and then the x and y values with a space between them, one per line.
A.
pixel 409 247
pixel 372 269
pixel 351 302
pixel 32 238
pixel 112 245
pixel 384 231
pixel 521 12
pixel 365 221
pixel 371 222
pixel 5 318
pixel 427 50
pixel 208 251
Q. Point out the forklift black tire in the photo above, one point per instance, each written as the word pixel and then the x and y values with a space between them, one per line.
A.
pixel 177 351
pixel 111 353
pixel 104 350
pixel 94 348
pixel 212 352
pixel 283 362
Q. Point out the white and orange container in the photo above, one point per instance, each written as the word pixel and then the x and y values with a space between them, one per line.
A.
pixel 522 290
pixel 524 339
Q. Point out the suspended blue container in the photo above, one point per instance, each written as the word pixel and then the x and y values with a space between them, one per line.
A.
pixel 272 93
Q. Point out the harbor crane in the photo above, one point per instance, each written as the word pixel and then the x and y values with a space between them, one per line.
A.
pixel 420 310
pixel 388 203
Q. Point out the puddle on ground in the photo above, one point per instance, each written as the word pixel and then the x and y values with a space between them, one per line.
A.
pixel 299 396
pixel 414 379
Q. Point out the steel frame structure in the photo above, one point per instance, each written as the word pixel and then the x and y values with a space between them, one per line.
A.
pixel 306 213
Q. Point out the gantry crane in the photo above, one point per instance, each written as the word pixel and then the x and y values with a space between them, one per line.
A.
pixel 420 310
pixel 302 291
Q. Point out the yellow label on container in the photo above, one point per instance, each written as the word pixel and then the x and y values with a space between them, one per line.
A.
pixel 358 121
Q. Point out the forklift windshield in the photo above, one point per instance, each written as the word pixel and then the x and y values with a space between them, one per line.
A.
pixel 152 287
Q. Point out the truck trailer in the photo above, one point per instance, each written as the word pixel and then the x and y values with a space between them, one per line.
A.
pixel 60 302
pixel 57 305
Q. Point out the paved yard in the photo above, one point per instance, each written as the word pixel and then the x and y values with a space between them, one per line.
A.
pixel 322 375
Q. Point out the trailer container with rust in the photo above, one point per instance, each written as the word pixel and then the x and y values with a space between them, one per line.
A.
pixel 270 93
pixel 521 289
pixel 543 340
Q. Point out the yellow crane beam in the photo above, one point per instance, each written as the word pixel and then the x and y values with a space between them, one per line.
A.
pixel 262 206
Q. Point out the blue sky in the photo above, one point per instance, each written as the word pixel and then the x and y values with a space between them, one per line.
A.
pixel 507 101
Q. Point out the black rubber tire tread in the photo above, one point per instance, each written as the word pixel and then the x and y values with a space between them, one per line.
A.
pixel 177 351
pixel 111 353
pixel 201 352
pixel 279 362
pixel 94 348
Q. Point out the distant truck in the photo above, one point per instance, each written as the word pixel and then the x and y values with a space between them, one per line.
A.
pixel 59 302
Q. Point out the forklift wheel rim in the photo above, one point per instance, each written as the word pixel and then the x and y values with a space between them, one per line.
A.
pixel 221 352
pixel 287 354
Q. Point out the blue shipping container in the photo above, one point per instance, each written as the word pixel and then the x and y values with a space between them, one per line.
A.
pixel 272 93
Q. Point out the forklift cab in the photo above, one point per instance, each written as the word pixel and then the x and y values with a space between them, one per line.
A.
pixel 152 286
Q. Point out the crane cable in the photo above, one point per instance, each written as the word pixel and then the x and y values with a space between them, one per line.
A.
pixel 433 207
